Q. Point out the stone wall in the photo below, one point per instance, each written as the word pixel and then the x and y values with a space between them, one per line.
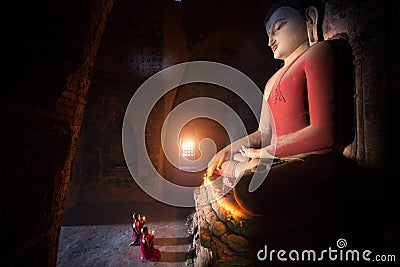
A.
pixel 53 57
pixel 361 23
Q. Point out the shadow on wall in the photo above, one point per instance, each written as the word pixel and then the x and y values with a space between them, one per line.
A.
pixel 121 213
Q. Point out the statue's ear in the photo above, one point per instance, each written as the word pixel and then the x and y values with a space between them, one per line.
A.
pixel 312 24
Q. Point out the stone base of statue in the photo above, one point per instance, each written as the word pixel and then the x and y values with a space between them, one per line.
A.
pixel 307 203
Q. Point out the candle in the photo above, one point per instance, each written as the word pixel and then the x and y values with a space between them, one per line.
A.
pixel 144 218
pixel 206 180
pixel 152 232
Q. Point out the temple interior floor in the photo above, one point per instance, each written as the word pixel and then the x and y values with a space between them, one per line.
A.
pixel 99 234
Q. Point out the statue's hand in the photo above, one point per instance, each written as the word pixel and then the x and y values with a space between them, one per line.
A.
pixel 255 153
pixel 249 152
pixel 216 162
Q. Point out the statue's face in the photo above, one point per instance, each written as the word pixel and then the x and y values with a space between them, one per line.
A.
pixel 286 30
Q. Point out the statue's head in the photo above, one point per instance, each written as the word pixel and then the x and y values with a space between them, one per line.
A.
pixel 290 23
pixel 298 5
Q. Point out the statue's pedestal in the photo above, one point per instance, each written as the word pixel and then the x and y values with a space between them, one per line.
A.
pixel 222 231
pixel 225 234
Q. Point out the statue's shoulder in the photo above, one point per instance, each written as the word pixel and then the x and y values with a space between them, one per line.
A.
pixel 322 48
pixel 334 52
pixel 331 47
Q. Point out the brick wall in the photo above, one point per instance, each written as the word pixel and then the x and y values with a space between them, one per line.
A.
pixel 54 57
